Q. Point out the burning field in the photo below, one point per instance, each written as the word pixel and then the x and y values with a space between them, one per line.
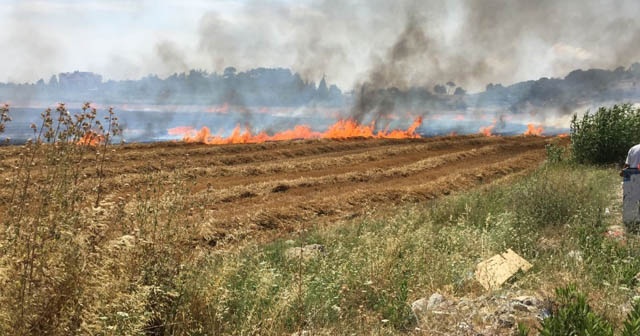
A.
pixel 237 192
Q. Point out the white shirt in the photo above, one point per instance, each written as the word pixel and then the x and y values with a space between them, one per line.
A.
pixel 633 157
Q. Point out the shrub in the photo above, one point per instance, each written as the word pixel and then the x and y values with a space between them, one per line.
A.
pixel 574 316
pixel 606 136
pixel 555 153
pixel 632 323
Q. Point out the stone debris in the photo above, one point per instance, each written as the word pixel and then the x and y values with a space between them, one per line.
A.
pixel 495 271
pixel 434 301
pixel 307 252
pixel 419 308
pixel 424 305
pixel 483 315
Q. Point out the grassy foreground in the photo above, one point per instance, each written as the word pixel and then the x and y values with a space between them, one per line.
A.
pixel 67 267
pixel 373 269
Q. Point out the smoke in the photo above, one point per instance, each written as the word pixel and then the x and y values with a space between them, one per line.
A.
pixel 469 42
pixel 376 48
pixel 373 46
pixel 372 100
pixel 171 57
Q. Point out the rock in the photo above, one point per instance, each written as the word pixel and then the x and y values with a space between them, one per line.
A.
pixel 506 321
pixel 489 314
pixel 419 308
pixel 526 300
pixel 422 306
pixel 308 252
pixel 434 301
pixel 544 314
pixel 519 306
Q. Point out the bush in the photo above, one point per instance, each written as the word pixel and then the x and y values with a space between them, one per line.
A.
pixel 555 153
pixel 574 316
pixel 606 136
pixel 632 323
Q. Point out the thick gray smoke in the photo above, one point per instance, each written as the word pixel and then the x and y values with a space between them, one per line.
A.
pixel 377 48
pixel 469 42
pixel 393 71
pixel 426 42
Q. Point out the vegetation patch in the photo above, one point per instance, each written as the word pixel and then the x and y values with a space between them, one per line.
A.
pixel 606 135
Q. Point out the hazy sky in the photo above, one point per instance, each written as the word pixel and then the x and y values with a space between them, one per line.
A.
pixel 470 42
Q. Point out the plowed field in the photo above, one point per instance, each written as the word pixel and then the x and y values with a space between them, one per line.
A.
pixel 259 191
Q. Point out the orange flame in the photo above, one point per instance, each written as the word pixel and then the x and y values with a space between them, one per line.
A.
pixel 533 131
pixel 91 138
pixel 181 130
pixel 486 131
pixel 342 129
pixel 563 135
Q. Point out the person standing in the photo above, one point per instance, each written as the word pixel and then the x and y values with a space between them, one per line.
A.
pixel 631 188
pixel 632 163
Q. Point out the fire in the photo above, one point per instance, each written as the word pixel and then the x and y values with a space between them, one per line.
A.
pixel 348 128
pixel 181 130
pixel 91 138
pixel 563 135
pixel 486 131
pixel 533 131
pixel 342 129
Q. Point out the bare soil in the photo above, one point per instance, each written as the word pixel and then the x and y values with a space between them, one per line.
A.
pixel 261 191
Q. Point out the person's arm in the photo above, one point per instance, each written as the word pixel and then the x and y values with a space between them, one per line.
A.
pixel 625 166
pixel 626 162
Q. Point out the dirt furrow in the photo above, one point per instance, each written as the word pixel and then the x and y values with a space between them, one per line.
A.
pixel 237 192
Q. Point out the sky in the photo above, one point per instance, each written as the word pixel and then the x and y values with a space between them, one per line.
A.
pixel 387 43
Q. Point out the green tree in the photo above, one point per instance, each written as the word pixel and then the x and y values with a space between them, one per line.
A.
pixel 605 136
